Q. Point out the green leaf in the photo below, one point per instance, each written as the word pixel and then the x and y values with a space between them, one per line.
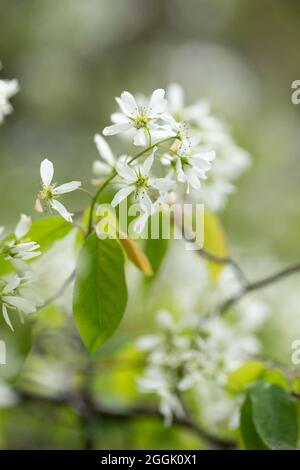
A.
pixel 274 416
pixel 156 248
pixel 48 230
pixel 244 375
pixel 5 267
pixel 214 242
pixel 100 293
pixel 17 345
pixel 276 376
pixel 250 436
pixel 45 231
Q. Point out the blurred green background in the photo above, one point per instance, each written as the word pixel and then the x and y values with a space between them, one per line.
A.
pixel 72 57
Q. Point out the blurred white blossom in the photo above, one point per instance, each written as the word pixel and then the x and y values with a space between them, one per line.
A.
pixel 8 88
pixel 195 352
pixel 17 247
pixel 16 294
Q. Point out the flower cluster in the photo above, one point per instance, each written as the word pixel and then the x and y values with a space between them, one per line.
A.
pixel 8 88
pixel 15 246
pixel 151 125
pixel 231 160
pixel 193 353
pixel 15 292
pixel 191 152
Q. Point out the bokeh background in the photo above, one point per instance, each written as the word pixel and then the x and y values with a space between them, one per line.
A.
pixel 73 57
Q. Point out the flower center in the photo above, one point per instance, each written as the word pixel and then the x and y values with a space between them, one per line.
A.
pixel 141 182
pixel 46 193
pixel 141 121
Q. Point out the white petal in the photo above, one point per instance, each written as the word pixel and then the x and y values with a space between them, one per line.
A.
pixel 12 284
pixel 118 118
pixel 12 87
pixel 128 104
pixel 157 103
pixel 146 167
pixel 121 195
pixel 208 156
pixel 38 206
pixel 175 97
pixel 201 173
pixel 47 172
pixel 180 172
pixel 117 128
pixel 145 201
pixel 162 184
pixel 27 255
pixel 140 137
pixel 126 172
pixel 23 226
pixel 104 149
pixel 67 187
pixel 201 164
pixel 100 168
pixel 1 230
pixel 28 246
pixel 140 222
pixel 6 317
pixel 20 303
pixel 192 178
pixel 57 206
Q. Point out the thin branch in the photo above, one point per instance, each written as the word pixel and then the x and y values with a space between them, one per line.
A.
pixel 296 395
pixel 98 410
pixel 260 284
pixel 222 260
pixel 111 177
pixel 61 290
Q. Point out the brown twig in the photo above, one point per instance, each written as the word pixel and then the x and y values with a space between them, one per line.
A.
pixel 102 411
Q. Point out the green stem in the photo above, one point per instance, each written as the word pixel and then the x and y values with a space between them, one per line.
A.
pixel 114 173
pixel 95 199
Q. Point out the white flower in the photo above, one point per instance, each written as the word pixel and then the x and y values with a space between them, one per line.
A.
pixel 50 192
pixel 176 106
pixel 137 180
pixel 103 168
pixel 231 160
pixel 161 202
pixel 12 297
pixel 191 160
pixel 156 382
pixel 17 247
pixel 8 88
pixel 144 120
pixel 192 165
